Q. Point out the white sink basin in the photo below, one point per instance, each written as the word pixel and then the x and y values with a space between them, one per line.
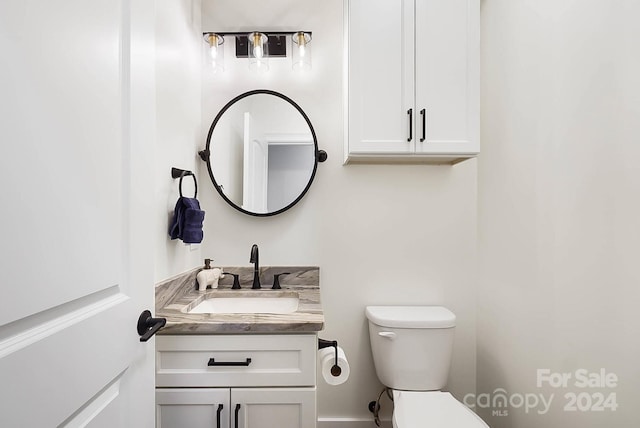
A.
pixel 275 304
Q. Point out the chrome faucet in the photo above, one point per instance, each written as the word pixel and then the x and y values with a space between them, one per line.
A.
pixel 256 267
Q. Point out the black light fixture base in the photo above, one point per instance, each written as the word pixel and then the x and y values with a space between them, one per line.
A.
pixel 277 46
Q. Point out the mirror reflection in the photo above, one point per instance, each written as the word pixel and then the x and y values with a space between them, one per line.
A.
pixel 262 153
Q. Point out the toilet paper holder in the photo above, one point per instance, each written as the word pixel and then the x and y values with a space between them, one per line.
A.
pixel 335 369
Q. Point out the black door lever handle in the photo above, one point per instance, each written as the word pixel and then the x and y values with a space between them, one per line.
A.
pixel 148 326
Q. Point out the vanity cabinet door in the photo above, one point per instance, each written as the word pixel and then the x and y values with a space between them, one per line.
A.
pixel 447 76
pixel 192 407
pixel 380 76
pixel 274 407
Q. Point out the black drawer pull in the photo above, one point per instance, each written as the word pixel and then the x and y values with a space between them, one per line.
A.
pixel 237 411
pixel 212 363
pixel 423 113
pixel 410 113
pixel 220 407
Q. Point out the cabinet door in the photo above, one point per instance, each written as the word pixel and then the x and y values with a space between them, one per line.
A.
pixel 273 407
pixel 193 408
pixel 380 58
pixel 447 76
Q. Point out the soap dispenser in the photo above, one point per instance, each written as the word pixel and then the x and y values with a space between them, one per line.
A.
pixel 208 276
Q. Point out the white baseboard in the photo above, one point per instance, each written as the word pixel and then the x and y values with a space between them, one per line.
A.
pixel 350 423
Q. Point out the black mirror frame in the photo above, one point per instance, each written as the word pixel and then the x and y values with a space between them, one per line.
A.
pixel 320 155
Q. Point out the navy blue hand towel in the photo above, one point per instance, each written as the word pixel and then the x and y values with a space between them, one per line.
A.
pixel 187 221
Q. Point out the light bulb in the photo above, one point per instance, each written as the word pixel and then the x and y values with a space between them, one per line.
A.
pixel 301 44
pixel 214 42
pixel 257 45
pixel 301 51
pixel 257 51
pixel 216 51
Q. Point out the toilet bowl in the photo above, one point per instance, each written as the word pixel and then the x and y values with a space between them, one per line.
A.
pixel 412 348
pixel 432 409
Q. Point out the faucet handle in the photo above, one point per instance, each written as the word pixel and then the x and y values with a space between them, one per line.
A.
pixel 236 280
pixel 276 280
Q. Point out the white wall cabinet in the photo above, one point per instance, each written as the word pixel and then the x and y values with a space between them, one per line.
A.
pixel 236 381
pixel 412 77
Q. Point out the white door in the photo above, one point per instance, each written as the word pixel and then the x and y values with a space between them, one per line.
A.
pixel 447 76
pixel 255 167
pixel 381 76
pixel 77 119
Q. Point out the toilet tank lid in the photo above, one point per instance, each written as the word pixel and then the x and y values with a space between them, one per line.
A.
pixel 411 316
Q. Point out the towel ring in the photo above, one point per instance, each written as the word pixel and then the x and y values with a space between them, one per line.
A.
pixel 195 183
pixel 181 173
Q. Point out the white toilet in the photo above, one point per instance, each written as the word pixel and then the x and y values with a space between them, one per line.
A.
pixel 412 348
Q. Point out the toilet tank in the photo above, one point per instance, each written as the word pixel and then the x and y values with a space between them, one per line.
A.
pixel 411 345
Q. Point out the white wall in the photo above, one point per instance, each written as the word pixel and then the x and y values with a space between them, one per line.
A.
pixel 178 65
pixel 559 204
pixel 380 234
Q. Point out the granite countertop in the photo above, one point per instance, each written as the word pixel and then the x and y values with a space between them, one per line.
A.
pixel 176 296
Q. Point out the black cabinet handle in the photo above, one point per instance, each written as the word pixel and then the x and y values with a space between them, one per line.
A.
pixel 212 363
pixel 148 326
pixel 423 113
pixel 237 411
pixel 410 113
pixel 220 407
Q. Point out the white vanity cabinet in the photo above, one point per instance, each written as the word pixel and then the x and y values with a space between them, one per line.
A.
pixel 412 77
pixel 236 381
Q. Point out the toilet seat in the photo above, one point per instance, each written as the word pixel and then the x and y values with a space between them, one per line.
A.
pixel 432 409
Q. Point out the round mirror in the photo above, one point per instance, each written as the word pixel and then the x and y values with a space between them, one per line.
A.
pixel 262 153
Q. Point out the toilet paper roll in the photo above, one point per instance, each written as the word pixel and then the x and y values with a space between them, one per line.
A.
pixel 327 361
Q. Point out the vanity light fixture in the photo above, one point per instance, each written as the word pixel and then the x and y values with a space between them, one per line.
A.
pixel 216 51
pixel 259 46
pixel 258 52
pixel 301 55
